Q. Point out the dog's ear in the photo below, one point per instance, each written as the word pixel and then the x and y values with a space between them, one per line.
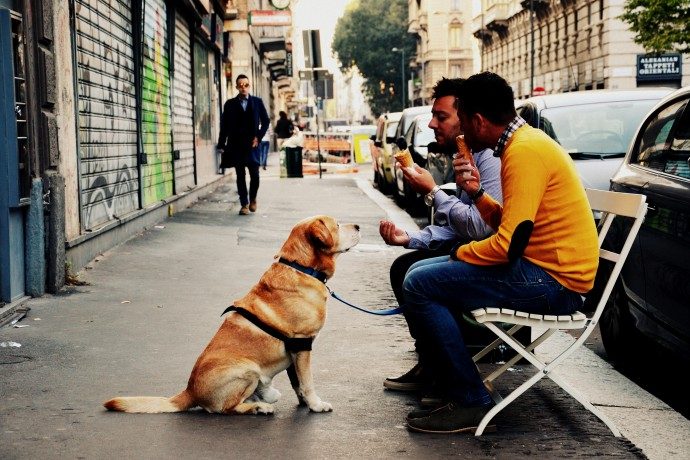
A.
pixel 321 234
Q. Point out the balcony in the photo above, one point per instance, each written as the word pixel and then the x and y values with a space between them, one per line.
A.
pixel 496 16
pixel 541 7
pixel 479 29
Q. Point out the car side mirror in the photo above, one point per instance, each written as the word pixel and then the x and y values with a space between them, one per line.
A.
pixel 373 137
pixel 401 143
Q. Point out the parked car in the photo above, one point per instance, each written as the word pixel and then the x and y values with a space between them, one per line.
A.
pixel 406 118
pixel 381 151
pixel 416 140
pixel 651 303
pixel 595 127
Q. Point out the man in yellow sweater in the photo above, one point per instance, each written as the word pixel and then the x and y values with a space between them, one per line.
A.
pixel 541 259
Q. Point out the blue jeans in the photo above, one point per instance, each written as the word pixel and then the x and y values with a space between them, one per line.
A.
pixel 435 287
pixel 263 152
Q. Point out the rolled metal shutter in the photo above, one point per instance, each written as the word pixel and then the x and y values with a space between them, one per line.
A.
pixel 109 178
pixel 183 107
pixel 156 122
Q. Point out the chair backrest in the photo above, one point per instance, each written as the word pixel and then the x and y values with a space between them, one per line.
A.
pixel 613 204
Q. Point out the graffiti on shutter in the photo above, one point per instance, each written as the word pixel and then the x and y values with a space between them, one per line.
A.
pixel 107 111
pixel 183 137
pixel 156 129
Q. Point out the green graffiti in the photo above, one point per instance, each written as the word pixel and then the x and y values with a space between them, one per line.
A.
pixel 156 120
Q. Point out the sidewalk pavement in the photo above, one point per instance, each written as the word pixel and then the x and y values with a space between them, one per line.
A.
pixel 151 305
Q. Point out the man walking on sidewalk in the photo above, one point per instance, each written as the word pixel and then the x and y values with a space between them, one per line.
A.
pixel 242 126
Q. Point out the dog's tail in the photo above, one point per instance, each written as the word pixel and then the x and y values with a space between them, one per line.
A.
pixel 151 404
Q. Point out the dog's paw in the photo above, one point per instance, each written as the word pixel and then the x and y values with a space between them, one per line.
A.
pixel 270 395
pixel 320 406
pixel 263 408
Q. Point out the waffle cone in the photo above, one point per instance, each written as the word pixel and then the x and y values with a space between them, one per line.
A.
pixel 404 158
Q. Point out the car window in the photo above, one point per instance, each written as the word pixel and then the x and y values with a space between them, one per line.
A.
pixel 424 134
pixel 665 142
pixel 392 127
pixel 595 130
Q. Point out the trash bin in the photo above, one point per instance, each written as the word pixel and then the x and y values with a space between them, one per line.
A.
pixel 293 161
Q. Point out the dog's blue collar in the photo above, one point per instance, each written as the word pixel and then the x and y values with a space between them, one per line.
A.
pixel 319 275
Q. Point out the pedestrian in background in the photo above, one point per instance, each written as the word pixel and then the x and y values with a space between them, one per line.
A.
pixel 542 257
pixel 265 146
pixel 455 219
pixel 243 124
pixel 284 128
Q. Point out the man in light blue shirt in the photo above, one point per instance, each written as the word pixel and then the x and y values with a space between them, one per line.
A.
pixel 456 219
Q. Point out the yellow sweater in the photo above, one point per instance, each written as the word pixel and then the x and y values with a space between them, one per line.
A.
pixel 540 185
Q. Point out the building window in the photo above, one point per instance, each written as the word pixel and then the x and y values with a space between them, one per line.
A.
pixel 455 71
pixel 455 36
pixel 202 93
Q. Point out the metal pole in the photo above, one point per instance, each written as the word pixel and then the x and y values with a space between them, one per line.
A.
pixel 447 36
pixel 402 72
pixel 531 26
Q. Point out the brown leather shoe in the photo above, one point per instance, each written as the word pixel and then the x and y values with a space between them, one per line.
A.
pixel 415 379
pixel 252 206
pixel 244 211
pixel 450 418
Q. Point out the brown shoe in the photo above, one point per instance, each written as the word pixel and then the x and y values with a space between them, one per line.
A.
pixel 415 379
pixel 252 206
pixel 244 211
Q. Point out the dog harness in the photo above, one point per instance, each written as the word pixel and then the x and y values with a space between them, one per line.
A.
pixel 292 344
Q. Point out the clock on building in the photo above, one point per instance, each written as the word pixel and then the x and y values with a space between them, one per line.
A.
pixel 280 4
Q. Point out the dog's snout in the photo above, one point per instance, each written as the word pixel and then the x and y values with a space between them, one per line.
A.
pixel 356 227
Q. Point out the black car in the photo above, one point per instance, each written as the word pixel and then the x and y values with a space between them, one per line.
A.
pixel 650 306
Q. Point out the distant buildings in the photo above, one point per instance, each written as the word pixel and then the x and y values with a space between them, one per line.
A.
pixel 566 45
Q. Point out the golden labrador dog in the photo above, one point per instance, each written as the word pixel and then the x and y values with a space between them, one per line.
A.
pixel 257 339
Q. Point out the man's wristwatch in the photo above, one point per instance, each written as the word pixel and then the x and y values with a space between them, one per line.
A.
pixel 429 197
pixel 478 194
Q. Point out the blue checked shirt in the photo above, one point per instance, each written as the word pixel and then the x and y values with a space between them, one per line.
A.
pixel 510 129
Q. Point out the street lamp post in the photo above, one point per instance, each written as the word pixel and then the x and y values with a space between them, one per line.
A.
pixel 531 57
pixel 402 72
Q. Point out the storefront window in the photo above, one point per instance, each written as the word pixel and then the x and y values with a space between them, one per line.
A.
pixel 202 93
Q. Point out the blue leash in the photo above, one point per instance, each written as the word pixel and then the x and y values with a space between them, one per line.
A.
pixel 321 276
pixel 390 311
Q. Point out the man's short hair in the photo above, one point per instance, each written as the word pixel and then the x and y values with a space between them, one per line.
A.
pixel 489 95
pixel 240 77
pixel 448 87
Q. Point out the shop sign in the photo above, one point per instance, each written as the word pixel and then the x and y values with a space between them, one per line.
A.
pixel 270 18
pixel 288 59
pixel 659 67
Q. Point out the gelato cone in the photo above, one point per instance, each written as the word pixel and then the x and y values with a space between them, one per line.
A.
pixel 463 152
pixel 404 158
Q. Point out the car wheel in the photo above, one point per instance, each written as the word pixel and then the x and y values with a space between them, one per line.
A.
pixel 624 344
pixel 377 179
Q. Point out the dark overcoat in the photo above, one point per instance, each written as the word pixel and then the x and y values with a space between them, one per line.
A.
pixel 236 134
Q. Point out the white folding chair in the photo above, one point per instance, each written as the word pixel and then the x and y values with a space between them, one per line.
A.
pixel 611 204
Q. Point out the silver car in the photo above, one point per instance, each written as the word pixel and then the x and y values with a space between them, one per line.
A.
pixel 594 127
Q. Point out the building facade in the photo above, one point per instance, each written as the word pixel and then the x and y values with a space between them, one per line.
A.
pixel 555 46
pixel 109 118
pixel 445 46
pixel 110 112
